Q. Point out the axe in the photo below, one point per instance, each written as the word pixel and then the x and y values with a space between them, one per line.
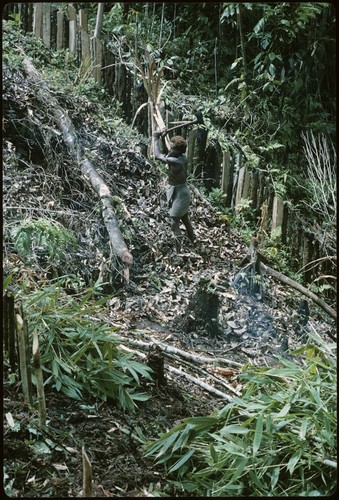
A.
pixel 199 119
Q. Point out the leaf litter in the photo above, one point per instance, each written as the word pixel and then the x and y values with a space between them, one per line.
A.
pixel 41 180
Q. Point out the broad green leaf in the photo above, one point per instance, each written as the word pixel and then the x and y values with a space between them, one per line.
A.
pixel 213 453
pixel 7 282
pixel 240 465
pixel 139 396
pixel 167 443
pixel 284 372
pixel 284 411
pixel 283 423
pixel 229 446
pixel 182 439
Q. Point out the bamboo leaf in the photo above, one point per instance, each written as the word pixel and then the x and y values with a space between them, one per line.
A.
pixel 182 461
pixel 303 428
pixel 234 429
pixel 284 411
pixel 275 476
pixel 293 461
pixel 167 443
pixel 240 465
pixel 7 282
pixel 258 434
pixel 213 453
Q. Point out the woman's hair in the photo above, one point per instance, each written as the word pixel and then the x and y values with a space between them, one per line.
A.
pixel 179 143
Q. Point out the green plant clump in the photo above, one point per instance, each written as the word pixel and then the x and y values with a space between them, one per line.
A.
pixel 279 439
pixel 47 236
pixel 80 356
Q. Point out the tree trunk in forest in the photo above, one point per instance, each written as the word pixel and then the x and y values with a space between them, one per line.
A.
pixel 46 25
pixel 24 354
pixel 84 42
pixel 96 56
pixel 37 20
pixel 72 28
pixel 227 177
pixel 277 214
pixel 242 40
pixel 196 153
pixel 240 185
pixel 60 38
pixel 99 20
pixel 87 169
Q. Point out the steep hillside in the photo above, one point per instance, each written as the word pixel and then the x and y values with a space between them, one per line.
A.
pixel 42 182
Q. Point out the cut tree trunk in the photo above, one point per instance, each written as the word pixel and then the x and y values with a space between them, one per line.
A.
pixel 202 311
pixel 87 169
pixel 155 360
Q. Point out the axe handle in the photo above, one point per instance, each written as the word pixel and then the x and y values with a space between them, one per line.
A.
pixel 179 126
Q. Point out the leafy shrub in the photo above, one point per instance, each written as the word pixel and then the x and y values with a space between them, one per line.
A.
pixel 279 439
pixel 81 356
pixel 49 237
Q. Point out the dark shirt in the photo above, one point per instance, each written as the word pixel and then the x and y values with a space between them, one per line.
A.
pixel 177 166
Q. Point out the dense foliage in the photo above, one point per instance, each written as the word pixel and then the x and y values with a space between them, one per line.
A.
pixel 263 65
pixel 263 74
pixel 279 439
pixel 80 356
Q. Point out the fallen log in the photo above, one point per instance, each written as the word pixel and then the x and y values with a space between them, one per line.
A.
pixel 254 257
pixel 288 281
pixel 109 218
pixel 206 372
pixel 175 350
pixel 201 383
pixel 197 381
pixel 87 169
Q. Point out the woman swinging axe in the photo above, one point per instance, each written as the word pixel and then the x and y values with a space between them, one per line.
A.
pixel 178 193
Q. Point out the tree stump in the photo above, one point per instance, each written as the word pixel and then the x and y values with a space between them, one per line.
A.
pixel 202 312
pixel 155 360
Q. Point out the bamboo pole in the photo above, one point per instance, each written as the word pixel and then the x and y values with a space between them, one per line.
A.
pixel 39 380
pixel 25 374
pixel 86 474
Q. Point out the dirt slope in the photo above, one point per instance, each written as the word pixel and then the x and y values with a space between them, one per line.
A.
pixel 41 180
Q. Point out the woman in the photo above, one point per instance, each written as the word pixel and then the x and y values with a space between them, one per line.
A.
pixel 178 194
